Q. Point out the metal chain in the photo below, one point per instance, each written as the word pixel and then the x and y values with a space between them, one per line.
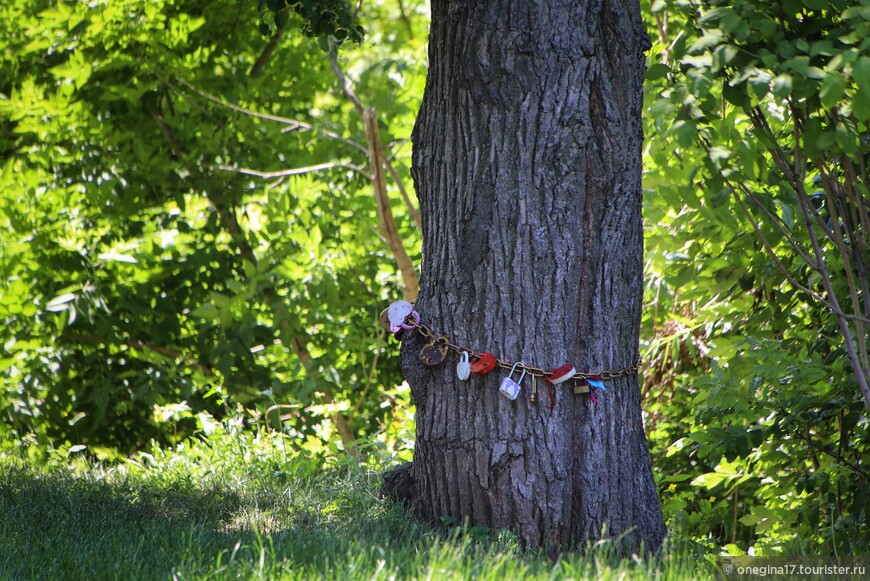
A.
pixel 605 374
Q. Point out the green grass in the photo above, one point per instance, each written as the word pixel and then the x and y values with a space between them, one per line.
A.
pixel 240 507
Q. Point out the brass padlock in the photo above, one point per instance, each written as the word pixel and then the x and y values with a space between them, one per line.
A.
pixel 580 387
pixel 434 352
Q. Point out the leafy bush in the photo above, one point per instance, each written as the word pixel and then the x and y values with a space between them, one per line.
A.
pixel 762 443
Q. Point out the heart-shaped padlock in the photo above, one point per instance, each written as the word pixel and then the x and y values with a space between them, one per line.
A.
pixel 434 352
pixel 463 368
pixel 398 313
pixel 485 363
pixel 510 388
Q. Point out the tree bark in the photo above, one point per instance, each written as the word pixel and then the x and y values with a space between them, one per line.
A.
pixel 527 163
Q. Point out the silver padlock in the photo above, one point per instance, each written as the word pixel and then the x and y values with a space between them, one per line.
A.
pixel 510 388
pixel 463 368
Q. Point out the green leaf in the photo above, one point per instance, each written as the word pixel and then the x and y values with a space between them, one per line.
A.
pixel 115 256
pixel 782 85
pixel 801 65
pixel 206 311
pixel 856 13
pixel 861 106
pixel 736 94
pixel 724 55
pixel 759 87
pixel 661 108
pixel 847 139
pixel 832 90
pixel 861 74
pixel 59 303
pixel 709 480
pixel 822 47
pixel 710 39
pixel 686 133
pixel 815 73
pixel 656 72
pixel 716 14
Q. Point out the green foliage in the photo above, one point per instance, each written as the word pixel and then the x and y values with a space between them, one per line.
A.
pixel 141 269
pixel 754 117
pixel 327 20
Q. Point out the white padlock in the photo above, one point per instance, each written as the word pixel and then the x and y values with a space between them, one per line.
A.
pixel 463 368
pixel 510 388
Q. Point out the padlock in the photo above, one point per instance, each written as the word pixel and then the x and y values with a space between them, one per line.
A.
pixel 580 387
pixel 510 388
pixel 561 374
pixel 398 313
pixel 463 368
pixel 434 352
pixel 485 363
pixel 384 319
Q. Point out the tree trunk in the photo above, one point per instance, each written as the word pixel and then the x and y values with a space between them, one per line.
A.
pixel 527 163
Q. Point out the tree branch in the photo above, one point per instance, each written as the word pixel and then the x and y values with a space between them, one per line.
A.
pixel 290 172
pixel 861 374
pixel 292 124
pixel 781 267
pixel 412 210
pixel 282 314
pixel 403 16
pixel 777 222
pixel 345 85
pixel 267 52
pixel 839 213
pixel 377 162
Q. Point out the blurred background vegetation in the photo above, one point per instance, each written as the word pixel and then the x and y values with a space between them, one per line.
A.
pixel 206 204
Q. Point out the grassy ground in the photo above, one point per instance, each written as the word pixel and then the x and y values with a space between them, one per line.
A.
pixel 240 507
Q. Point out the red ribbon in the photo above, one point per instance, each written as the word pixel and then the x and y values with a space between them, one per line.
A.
pixel 550 391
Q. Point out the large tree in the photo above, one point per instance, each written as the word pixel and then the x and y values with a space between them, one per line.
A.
pixel 527 164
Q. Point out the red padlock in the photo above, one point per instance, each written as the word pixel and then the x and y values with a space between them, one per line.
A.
pixel 561 374
pixel 485 363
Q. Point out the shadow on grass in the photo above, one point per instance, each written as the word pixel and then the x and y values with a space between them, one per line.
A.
pixel 200 520
pixel 99 526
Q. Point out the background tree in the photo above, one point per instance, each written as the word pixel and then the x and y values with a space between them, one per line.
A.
pixel 527 165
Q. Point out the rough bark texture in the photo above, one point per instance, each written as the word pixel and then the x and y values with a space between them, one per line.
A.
pixel 399 484
pixel 527 163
